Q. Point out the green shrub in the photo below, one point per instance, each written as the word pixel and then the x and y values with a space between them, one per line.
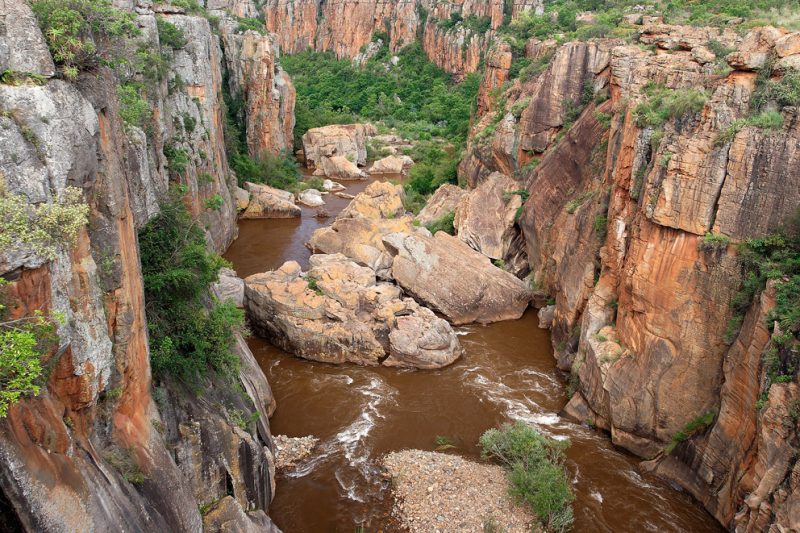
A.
pixel 169 34
pixel 445 224
pixel 250 24
pixel 186 338
pixel 72 29
pixel 767 120
pixel 576 202
pixel 279 171
pixel 600 227
pixel 45 228
pixel 662 104
pixel 713 242
pixel 780 92
pixel 23 341
pixel 214 203
pixel 177 158
pixel 536 471
pixel 133 108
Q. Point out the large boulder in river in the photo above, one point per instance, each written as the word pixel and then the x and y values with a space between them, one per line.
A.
pixel 448 276
pixel 359 229
pixel 311 198
pixel 485 216
pixel 379 200
pixel 361 239
pixel 337 312
pixel 337 140
pixel 340 168
pixel 443 202
pixel 269 202
pixel 393 164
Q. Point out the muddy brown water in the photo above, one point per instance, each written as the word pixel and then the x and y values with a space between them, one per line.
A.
pixel 508 373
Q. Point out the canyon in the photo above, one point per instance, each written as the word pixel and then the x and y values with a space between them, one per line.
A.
pixel 572 198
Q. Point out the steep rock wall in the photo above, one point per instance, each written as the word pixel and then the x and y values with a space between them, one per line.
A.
pixel 93 451
pixel 345 27
pixel 614 230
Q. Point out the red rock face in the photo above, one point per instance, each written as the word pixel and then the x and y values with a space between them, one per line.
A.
pixel 87 452
pixel 346 26
pixel 613 230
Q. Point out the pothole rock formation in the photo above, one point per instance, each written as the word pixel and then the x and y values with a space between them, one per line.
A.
pixel 337 312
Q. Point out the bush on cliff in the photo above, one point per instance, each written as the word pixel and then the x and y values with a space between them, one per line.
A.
pixel 536 471
pixel 279 171
pixel 74 28
pixel 190 332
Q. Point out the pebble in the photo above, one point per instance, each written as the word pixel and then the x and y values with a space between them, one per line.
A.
pixel 431 489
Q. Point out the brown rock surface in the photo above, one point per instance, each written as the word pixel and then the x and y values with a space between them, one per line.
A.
pixel 442 202
pixel 485 216
pixel 348 141
pixel 338 313
pixel 340 168
pixel 269 202
pixel 455 280
pixel 267 90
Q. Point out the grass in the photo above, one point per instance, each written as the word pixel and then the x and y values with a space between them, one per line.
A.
pixel 535 466
pixel 576 202
pixel 694 426
pixel 662 104
pixel 713 242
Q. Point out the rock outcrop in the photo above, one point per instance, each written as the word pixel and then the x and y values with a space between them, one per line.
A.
pixel 442 202
pixel 337 312
pixel 348 141
pixel 269 202
pixel 93 450
pixel 349 28
pixel 392 164
pixel 450 277
pixel 615 232
pixel 267 91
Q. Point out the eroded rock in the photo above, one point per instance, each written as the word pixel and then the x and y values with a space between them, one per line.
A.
pixel 450 277
pixel 337 312
pixel 269 202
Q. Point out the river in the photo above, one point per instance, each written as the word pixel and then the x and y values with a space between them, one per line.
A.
pixel 358 413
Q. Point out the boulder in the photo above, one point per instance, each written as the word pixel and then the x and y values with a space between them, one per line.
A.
pixel 242 198
pixel 546 315
pixel 393 164
pixel 339 167
pixel 361 239
pixel 229 287
pixel 379 200
pixel 332 186
pixel 755 49
pixel 337 312
pixel 311 198
pixel 269 202
pixel 444 201
pixel 485 216
pixel 337 140
pixel 448 276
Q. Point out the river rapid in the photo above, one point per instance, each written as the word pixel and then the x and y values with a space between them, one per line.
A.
pixel 507 373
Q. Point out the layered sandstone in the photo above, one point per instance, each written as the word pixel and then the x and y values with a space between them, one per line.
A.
pixel 93 450
pixel 337 312
pixel 614 231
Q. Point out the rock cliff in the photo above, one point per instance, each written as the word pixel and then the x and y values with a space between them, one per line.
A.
pixel 346 27
pixel 616 230
pixel 100 448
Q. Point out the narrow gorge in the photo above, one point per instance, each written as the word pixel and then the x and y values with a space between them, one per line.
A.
pixel 394 265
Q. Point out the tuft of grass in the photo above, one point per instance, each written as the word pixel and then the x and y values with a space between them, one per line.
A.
pixel 444 443
pixel 694 426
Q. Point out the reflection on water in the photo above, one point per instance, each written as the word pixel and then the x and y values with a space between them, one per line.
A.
pixel 358 413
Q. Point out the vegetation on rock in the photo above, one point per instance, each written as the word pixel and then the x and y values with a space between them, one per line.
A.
pixel 190 332
pixel 73 28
